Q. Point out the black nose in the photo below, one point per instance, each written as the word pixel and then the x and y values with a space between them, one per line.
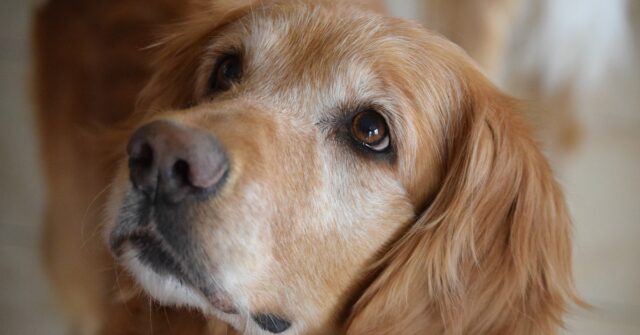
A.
pixel 170 161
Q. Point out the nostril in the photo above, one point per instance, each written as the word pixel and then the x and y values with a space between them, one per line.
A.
pixel 142 171
pixel 142 155
pixel 181 171
pixel 170 161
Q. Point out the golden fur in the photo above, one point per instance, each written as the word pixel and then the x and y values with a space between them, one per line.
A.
pixel 89 67
pixel 464 231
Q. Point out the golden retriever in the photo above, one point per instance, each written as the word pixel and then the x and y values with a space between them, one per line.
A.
pixel 310 167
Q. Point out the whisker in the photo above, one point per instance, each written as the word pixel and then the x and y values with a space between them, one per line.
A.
pixel 83 221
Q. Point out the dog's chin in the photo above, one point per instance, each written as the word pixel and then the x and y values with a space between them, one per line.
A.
pixel 164 288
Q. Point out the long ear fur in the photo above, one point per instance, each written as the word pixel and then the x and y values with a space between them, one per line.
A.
pixel 492 253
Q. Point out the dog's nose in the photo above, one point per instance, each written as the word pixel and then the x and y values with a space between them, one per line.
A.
pixel 170 161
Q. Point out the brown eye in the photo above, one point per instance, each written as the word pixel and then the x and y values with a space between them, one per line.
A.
pixel 370 129
pixel 227 72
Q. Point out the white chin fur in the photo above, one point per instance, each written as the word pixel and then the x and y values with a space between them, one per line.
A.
pixel 165 289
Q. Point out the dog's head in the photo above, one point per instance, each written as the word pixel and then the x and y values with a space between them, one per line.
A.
pixel 309 167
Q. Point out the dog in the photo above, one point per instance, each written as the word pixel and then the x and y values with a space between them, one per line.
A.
pixel 313 167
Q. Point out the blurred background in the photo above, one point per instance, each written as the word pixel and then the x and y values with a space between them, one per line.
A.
pixel 577 58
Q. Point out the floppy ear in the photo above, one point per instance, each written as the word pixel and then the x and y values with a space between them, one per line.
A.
pixel 491 254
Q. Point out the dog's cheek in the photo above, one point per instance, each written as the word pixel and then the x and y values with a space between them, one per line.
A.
pixel 237 238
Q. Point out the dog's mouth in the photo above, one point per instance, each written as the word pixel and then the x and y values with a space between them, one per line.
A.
pixel 165 261
pixel 160 261
pixel 152 252
pixel 144 250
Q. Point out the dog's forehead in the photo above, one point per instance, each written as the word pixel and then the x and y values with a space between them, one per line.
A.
pixel 308 25
pixel 320 53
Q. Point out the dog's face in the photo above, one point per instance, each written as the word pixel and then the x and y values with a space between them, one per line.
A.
pixel 321 149
pixel 283 150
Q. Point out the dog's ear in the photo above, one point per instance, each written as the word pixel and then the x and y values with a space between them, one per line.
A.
pixel 491 254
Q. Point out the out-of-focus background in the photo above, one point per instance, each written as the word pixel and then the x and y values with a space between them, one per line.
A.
pixel 601 174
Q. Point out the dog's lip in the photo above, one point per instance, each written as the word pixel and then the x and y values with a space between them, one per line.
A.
pixel 218 298
pixel 223 302
pixel 152 252
pixel 135 225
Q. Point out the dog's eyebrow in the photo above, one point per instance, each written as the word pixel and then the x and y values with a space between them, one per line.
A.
pixel 271 322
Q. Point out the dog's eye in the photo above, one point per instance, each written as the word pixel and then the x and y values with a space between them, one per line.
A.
pixel 370 129
pixel 227 71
